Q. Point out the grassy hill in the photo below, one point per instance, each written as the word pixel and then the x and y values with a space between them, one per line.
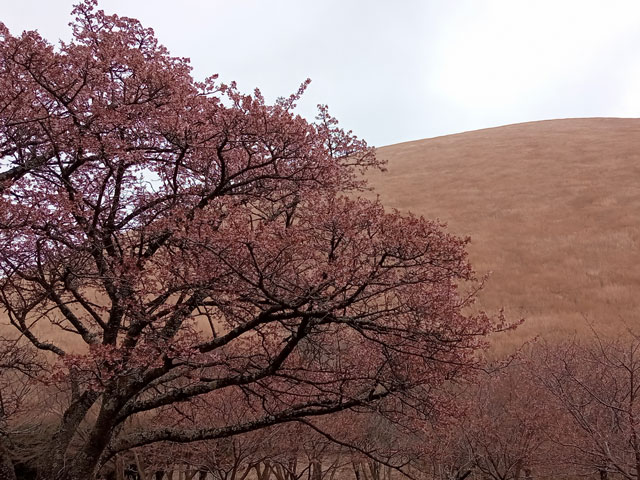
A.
pixel 553 210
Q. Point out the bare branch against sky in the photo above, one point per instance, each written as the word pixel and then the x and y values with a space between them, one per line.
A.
pixel 397 71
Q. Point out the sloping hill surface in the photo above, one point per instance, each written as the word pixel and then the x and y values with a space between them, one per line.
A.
pixel 553 210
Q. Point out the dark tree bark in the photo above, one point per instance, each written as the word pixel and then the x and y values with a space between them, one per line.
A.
pixel 7 471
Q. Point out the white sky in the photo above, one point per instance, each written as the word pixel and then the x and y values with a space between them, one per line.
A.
pixel 399 70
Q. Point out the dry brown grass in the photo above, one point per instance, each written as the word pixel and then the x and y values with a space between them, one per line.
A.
pixel 553 209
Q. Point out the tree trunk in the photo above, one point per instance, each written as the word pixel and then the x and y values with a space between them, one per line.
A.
pixel 264 474
pixel 316 470
pixel 356 470
pixel 85 462
pixel 374 468
pixel 140 466
pixel 246 472
pixel 58 444
pixel 189 474
pixel 604 475
pixel 278 471
pixel 516 475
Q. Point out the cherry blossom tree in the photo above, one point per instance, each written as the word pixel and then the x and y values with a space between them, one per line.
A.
pixel 169 244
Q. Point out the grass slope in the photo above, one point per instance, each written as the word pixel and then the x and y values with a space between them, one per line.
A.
pixel 553 210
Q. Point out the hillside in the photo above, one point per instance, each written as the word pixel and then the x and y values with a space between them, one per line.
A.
pixel 552 207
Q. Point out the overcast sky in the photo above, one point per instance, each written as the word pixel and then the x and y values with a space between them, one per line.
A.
pixel 394 71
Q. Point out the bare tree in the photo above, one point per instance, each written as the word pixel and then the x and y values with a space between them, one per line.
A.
pixel 595 383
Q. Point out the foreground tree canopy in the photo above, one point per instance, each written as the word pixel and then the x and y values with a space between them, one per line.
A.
pixel 170 246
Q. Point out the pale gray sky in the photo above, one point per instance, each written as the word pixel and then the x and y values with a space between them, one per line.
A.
pixel 399 70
